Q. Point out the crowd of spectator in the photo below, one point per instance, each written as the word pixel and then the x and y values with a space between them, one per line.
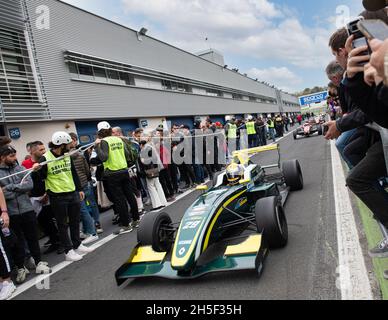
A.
pixel 359 97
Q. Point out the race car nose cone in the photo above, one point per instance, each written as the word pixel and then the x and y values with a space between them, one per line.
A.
pixel 375 5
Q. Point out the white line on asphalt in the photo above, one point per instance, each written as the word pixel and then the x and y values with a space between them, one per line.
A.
pixel 39 281
pixel 353 276
pixel 292 131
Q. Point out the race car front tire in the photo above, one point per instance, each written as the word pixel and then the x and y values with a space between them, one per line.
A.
pixel 293 176
pixel 151 232
pixel 271 221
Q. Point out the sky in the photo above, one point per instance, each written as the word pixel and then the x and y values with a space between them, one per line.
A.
pixel 284 43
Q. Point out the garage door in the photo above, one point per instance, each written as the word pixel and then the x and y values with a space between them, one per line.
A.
pixel 188 121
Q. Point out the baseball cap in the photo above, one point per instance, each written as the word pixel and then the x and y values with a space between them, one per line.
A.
pixel 375 5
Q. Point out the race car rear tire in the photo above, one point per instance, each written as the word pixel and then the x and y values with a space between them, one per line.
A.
pixel 151 233
pixel 271 221
pixel 320 130
pixel 295 135
pixel 293 176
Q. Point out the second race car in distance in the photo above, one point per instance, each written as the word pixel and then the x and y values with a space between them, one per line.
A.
pixel 309 129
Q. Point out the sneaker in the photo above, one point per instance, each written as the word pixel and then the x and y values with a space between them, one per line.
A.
pixel 73 256
pixel 123 230
pixel 90 239
pixel 82 235
pixel 21 275
pixel 135 224
pixel 30 263
pixel 7 289
pixel 381 251
pixel 43 268
pixel 82 250
pixel 99 229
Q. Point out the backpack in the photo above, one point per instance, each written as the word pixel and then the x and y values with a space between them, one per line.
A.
pixel 133 154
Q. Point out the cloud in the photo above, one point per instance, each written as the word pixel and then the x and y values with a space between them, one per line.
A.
pixel 282 77
pixel 249 28
pixel 235 18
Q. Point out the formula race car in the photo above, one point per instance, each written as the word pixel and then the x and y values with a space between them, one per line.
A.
pixel 308 129
pixel 230 227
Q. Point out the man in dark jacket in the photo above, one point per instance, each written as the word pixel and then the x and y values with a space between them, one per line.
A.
pixel 23 221
pixel 39 199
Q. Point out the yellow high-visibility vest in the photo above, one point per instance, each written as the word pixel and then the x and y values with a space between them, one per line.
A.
pixel 116 160
pixel 59 176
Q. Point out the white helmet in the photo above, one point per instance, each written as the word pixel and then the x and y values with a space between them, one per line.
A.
pixel 103 126
pixel 250 117
pixel 60 138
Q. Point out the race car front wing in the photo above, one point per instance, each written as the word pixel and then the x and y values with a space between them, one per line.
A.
pixel 249 254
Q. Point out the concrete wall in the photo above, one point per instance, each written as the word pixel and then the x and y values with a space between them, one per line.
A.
pixel 37 131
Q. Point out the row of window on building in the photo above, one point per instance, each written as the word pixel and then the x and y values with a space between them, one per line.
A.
pixel 114 76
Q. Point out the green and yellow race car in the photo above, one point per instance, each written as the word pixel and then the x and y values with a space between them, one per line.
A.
pixel 230 227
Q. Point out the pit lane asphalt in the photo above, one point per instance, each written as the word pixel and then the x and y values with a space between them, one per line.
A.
pixel 305 269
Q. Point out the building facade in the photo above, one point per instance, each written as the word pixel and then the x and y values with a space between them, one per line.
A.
pixel 67 69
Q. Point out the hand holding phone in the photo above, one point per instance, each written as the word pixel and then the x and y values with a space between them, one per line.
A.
pixel 373 29
pixel 356 58
pixel 359 39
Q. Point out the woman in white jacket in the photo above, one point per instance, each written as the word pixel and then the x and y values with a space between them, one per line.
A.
pixel 150 166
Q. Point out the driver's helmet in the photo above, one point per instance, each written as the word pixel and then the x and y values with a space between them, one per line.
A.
pixel 234 173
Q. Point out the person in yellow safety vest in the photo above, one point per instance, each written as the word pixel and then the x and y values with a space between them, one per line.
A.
pixel 251 131
pixel 65 194
pixel 114 155
pixel 271 128
pixel 232 134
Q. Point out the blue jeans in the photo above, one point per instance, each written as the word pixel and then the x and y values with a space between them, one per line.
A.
pixel 88 225
pixel 342 142
pixel 91 203
pixel 199 173
pixel 272 133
